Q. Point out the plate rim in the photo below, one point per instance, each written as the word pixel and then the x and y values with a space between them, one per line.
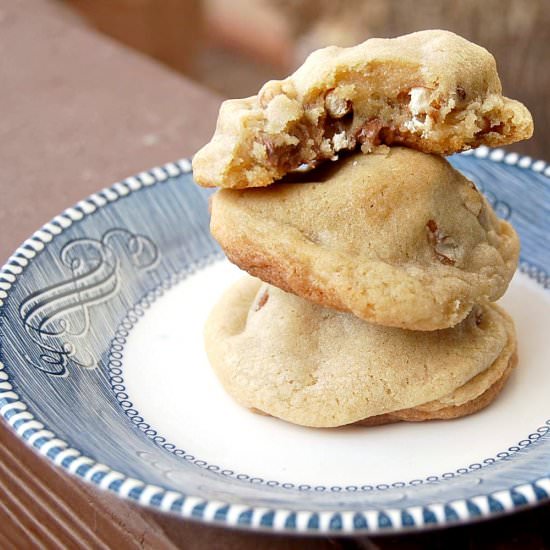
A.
pixel 376 521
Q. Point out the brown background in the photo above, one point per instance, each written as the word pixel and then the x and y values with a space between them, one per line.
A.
pixel 233 46
pixel 80 111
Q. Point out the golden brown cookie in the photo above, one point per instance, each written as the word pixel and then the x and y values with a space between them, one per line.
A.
pixel 398 238
pixel 430 90
pixel 442 409
pixel 277 353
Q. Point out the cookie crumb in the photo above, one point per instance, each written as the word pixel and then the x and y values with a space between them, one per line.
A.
pixel 443 245
pixel 262 301
pixel 478 316
pixel 461 93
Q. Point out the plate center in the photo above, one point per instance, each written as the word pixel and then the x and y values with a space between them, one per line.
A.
pixel 170 383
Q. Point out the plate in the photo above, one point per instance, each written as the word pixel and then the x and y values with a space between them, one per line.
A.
pixel 103 371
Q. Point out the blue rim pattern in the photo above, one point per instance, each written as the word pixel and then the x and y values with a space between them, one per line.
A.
pixel 376 519
pixel 116 377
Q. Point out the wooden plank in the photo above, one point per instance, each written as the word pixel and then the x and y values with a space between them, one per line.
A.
pixel 44 507
pixel 80 111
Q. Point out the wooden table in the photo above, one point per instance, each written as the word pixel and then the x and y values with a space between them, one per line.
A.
pixel 79 112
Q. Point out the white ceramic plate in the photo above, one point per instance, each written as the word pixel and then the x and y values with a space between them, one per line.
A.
pixel 102 369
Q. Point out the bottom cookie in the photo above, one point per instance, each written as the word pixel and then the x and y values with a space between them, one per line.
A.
pixel 283 356
pixel 430 411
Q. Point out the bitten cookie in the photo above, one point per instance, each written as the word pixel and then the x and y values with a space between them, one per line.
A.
pixel 397 237
pixel 286 357
pixel 430 90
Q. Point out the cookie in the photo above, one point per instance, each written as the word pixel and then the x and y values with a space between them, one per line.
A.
pixel 430 90
pixel 284 356
pixel 443 409
pixel 397 237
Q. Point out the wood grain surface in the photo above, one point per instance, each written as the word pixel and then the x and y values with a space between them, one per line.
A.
pixel 79 112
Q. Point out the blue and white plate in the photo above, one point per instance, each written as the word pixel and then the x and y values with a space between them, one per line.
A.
pixel 102 370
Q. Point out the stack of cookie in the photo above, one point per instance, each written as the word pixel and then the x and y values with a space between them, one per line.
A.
pixel 374 275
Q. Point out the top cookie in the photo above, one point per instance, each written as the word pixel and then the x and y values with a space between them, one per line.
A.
pixel 431 90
